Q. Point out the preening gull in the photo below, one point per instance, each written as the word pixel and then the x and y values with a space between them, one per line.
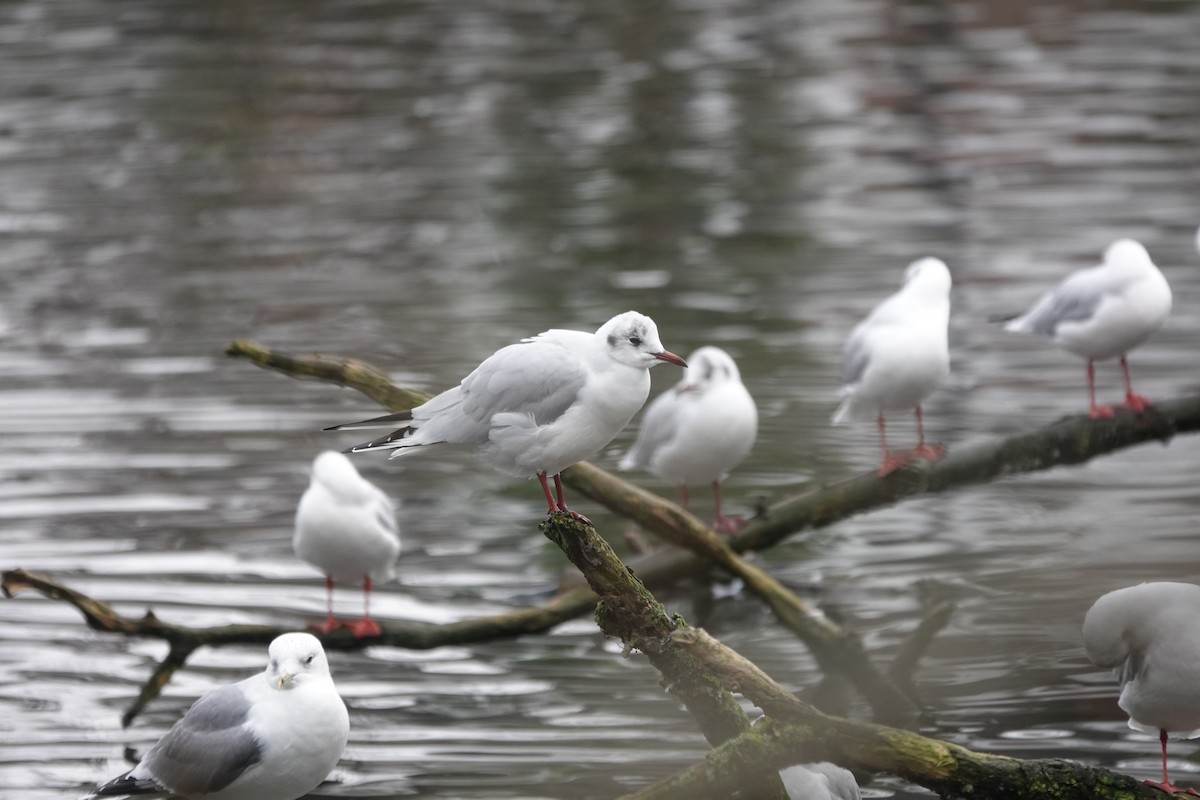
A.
pixel 272 736
pixel 1104 312
pixel 899 355
pixel 1149 636
pixel 820 781
pixel 534 408
pixel 346 527
pixel 698 430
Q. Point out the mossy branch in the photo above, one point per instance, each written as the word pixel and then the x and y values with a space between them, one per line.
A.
pixel 629 612
pixel 794 731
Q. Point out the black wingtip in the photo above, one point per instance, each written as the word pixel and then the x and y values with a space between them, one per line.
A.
pixel 125 786
pixel 398 419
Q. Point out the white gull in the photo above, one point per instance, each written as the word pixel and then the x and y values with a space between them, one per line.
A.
pixel 1104 312
pixel 272 736
pixel 346 527
pixel 700 429
pixel 1149 636
pixel 534 408
pixel 899 355
pixel 820 781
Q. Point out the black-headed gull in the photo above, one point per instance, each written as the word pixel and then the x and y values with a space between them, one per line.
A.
pixel 1149 635
pixel 536 407
pixel 899 355
pixel 820 781
pixel 695 432
pixel 1103 312
pixel 346 527
pixel 273 736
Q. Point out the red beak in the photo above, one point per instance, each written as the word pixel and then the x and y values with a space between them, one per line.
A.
pixel 671 358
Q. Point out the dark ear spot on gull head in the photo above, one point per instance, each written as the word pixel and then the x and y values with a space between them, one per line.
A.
pixel 632 339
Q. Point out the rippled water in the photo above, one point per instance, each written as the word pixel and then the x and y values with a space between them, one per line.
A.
pixel 417 184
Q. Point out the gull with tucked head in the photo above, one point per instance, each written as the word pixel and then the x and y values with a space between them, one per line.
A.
pixel 273 736
pixel 899 355
pixel 1149 636
pixel 534 408
pixel 346 527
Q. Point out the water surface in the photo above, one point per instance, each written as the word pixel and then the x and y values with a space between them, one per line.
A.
pixel 418 184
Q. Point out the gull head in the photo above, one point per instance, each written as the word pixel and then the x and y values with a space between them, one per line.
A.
pixel 632 339
pixel 337 473
pixel 1127 255
pixel 708 367
pixel 295 659
pixel 928 276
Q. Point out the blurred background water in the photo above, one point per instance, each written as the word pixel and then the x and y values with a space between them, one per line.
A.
pixel 419 183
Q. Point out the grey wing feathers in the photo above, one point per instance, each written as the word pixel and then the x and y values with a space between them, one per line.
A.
pixel 1073 300
pixel 656 430
pixel 385 513
pixel 1057 308
pixel 855 357
pixel 539 378
pixel 209 748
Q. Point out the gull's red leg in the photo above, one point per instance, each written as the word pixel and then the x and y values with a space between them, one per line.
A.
pixel 365 626
pixel 330 623
pixel 1165 784
pixel 929 452
pixel 562 503
pixel 1137 402
pixel 541 476
pixel 723 523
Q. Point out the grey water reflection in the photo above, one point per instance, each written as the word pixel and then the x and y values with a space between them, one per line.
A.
pixel 417 184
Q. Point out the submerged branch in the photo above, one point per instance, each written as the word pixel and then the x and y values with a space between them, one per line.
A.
pixel 793 731
pixel 184 640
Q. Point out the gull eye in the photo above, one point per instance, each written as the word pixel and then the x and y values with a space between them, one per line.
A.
pixel 635 340
pixel 308 661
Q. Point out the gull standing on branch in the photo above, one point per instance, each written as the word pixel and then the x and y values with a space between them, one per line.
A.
pixel 899 355
pixel 536 407
pixel 346 527
pixel 1149 636
pixel 1104 312
pixel 272 736
pixel 698 430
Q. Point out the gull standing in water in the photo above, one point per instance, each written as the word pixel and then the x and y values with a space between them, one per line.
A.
pixel 534 408
pixel 1149 636
pixel 1104 312
pixel 899 355
pixel 697 431
pixel 272 736
pixel 346 527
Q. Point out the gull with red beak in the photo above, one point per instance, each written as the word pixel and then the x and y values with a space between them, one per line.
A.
pixel 697 431
pixel 534 408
